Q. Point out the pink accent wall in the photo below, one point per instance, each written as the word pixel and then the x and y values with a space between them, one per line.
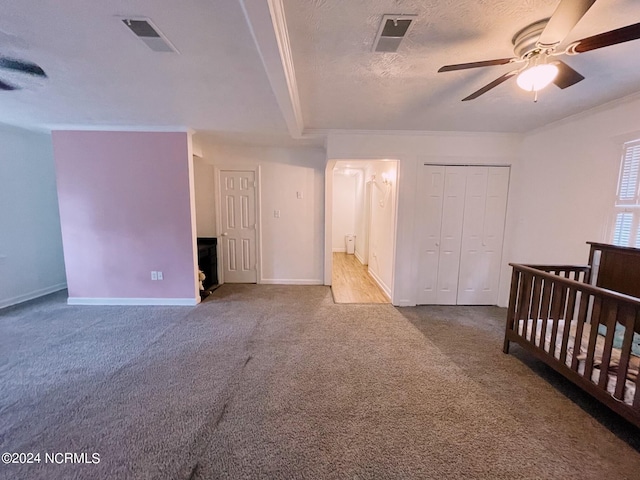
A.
pixel 125 211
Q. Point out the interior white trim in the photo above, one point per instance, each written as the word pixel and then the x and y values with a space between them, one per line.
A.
pixel 119 128
pixel 316 132
pixel 328 221
pixel 339 250
pixel 586 113
pixel 359 257
pixel 380 283
pixel 268 27
pixel 291 281
pixel 187 302
pixel 31 295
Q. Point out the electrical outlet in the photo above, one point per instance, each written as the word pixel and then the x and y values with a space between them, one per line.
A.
pixel 160 276
pixel 276 213
pixel 299 195
pixel 154 275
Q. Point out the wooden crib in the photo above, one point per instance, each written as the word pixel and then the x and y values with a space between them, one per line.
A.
pixel 584 322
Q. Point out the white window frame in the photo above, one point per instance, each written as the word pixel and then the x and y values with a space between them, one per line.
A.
pixel 627 201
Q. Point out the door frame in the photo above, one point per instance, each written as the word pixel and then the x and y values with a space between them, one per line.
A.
pixel 217 169
pixel 328 218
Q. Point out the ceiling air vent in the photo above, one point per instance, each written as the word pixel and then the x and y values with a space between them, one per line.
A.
pixel 149 34
pixel 393 29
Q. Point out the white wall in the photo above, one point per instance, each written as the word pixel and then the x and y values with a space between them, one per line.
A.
pixel 382 225
pixel 292 246
pixel 360 214
pixel 205 198
pixel 31 259
pixel 563 189
pixel 344 208
pixel 412 150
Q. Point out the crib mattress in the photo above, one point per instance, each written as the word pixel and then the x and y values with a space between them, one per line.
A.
pixel 630 389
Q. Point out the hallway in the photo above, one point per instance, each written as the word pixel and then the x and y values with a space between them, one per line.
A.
pixel 351 283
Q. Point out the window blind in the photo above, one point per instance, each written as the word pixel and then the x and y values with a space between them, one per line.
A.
pixel 629 172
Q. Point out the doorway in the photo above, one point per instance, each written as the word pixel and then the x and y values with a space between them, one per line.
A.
pixel 362 230
pixel 238 226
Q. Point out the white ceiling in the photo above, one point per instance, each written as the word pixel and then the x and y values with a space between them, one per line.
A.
pixel 101 74
pixel 343 85
pixel 227 81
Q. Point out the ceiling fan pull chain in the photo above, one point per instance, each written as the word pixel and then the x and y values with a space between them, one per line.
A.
pixel 535 96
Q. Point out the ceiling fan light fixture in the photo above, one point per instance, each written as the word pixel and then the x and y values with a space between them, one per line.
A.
pixel 537 77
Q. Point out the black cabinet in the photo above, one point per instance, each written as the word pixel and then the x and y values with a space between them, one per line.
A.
pixel 208 261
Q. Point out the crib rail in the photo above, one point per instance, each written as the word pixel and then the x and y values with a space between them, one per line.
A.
pixel 551 296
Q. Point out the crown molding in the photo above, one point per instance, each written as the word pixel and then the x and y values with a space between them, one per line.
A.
pixel 586 113
pixel 317 132
pixel 119 128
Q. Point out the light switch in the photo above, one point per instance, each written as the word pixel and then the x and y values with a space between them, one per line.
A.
pixel 299 195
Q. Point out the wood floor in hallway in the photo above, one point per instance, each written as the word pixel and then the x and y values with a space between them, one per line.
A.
pixel 351 282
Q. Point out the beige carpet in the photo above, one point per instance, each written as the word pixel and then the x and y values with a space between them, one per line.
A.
pixel 279 382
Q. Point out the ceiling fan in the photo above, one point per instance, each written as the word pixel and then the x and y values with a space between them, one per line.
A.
pixel 536 46
pixel 20 66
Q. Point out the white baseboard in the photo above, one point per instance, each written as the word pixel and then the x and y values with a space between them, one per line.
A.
pixel 291 281
pixel 380 283
pixel 339 250
pixel 185 302
pixel 31 295
pixel 405 303
pixel 360 259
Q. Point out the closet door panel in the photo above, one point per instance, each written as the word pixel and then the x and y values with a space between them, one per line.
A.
pixel 482 237
pixel 451 235
pixel 430 197
pixel 472 267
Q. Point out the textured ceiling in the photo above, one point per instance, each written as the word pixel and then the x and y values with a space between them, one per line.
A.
pixel 101 74
pixel 343 85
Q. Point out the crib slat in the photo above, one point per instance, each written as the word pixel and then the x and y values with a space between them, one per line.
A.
pixel 544 309
pixel 582 318
pixel 546 314
pixel 524 297
pixel 557 309
pixel 571 305
pixel 627 317
pixel 535 299
pixel 593 336
pixel 610 314
pixel 636 398
pixel 563 300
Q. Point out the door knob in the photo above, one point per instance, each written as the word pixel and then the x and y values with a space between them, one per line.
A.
pixel 225 234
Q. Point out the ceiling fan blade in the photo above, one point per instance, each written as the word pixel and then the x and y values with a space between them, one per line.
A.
pixel 491 85
pixel 566 16
pixel 567 76
pixel 485 63
pixel 613 37
pixel 21 66
pixel 7 86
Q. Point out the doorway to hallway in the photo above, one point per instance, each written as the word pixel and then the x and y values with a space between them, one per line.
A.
pixel 361 230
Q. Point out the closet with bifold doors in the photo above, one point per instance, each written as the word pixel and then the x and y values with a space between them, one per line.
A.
pixel 460 218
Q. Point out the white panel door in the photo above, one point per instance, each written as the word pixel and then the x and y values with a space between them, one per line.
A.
pixel 430 198
pixel 482 235
pixel 451 235
pixel 238 208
